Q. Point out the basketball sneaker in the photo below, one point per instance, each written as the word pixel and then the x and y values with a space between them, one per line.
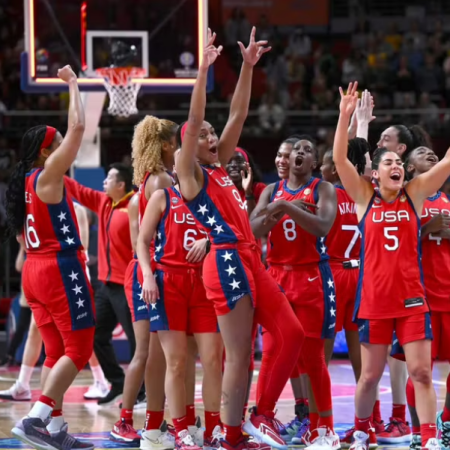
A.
pixel 213 442
pixel 360 441
pixel 347 439
pixel 396 432
pixel 443 432
pixel 302 436
pixel 288 431
pixel 16 393
pixel 378 427
pixel 197 432
pixel 243 444
pixel 325 440
pixel 416 442
pixel 161 439
pixel 184 441
pixel 265 428
pixel 433 444
pixel 124 432
pixel 96 391
pixel 114 394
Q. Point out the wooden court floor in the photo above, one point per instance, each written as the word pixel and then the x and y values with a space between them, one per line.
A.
pixel 94 422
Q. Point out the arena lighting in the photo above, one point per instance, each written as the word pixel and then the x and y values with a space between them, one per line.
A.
pixel 99 81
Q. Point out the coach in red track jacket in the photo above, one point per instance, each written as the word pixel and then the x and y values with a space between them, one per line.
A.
pixel 114 254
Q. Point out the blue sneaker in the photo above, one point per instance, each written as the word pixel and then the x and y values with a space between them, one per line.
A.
pixel 299 438
pixel 288 431
pixel 443 432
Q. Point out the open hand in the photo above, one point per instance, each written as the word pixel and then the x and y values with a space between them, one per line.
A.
pixel 211 52
pixel 364 108
pixel 247 180
pixel 255 50
pixel 349 99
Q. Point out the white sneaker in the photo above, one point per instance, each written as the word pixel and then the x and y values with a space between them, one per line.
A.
pixel 157 440
pixel 360 441
pixel 196 432
pixel 185 441
pixel 17 393
pixel 96 391
pixel 433 444
pixel 213 442
pixel 326 440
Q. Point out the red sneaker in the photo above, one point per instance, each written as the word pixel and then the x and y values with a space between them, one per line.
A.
pixel 124 432
pixel 243 444
pixel 265 428
pixel 347 439
pixel 396 432
pixel 378 426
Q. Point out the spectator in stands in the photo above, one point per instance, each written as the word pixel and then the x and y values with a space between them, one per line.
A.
pixel 237 28
pixel 299 43
pixel 361 35
pixel 393 37
pixel 416 36
pixel 352 68
pixel 380 80
pixel 264 30
pixel 430 78
pixel 429 116
pixel 414 56
pixel 299 102
pixel 277 74
pixel 271 114
pixel 404 83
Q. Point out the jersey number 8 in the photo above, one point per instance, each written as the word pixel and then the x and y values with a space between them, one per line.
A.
pixel 31 237
pixel 290 233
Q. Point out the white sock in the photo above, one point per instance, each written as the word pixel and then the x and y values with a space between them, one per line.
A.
pixel 98 374
pixel 25 376
pixel 40 410
pixel 55 424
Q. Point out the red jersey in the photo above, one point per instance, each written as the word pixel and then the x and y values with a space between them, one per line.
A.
pixel 177 231
pixel 49 228
pixel 436 257
pixel 219 209
pixel 258 189
pixel 114 243
pixel 390 278
pixel 289 244
pixel 344 239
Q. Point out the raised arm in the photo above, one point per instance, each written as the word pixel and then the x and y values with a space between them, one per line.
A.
pixel 90 198
pixel 241 98
pixel 186 165
pixel 50 182
pixel 261 226
pixel 359 189
pixel 133 213
pixel 426 184
pixel 155 207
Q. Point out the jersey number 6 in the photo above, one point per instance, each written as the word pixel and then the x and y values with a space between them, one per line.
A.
pixel 31 237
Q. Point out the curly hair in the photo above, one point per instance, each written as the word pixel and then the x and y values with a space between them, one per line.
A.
pixel 148 138
pixel 15 195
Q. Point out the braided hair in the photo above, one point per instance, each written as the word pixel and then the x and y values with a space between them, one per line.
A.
pixel 15 195
pixel 357 149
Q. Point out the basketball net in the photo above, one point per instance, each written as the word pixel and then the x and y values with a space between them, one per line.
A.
pixel 121 90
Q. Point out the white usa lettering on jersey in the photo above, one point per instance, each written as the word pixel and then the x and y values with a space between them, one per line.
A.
pixel 431 212
pixel 390 216
pixel 181 217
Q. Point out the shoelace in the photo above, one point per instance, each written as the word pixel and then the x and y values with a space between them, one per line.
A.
pixel 445 438
pixel 349 433
pixel 392 424
pixel 126 428
pixel 289 425
pixel 275 423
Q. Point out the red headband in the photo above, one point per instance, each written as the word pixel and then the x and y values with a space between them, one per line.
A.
pixel 243 153
pixel 49 136
pixel 183 130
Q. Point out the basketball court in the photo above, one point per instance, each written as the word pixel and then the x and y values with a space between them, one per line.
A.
pixel 88 420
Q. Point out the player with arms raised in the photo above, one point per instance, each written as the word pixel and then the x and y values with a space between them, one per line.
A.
pixel 234 277
pixel 55 281
pixel 391 296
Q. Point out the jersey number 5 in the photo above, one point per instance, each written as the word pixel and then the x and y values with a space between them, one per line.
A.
pixel 31 237
pixel 392 238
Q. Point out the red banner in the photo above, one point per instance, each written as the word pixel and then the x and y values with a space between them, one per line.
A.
pixel 281 12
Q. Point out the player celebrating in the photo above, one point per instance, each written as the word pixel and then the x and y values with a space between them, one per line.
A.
pixel 389 300
pixel 234 277
pixel 403 140
pixel 298 261
pixel 55 282
pixel 435 237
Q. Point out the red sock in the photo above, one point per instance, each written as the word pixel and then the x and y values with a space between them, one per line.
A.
pixel 232 434
pixel 47 401
pixel 180 424
pixel 446 411
pixel 415 430
pixel 190 414
pixel 399 412
pixel 428 431
pixel 212 419
pixel 410 394
pixel 376 414
pixel 327 422
pixel 153 420
pixel 362 424
pixel 127 415
pixel 57 413
pixel 301 401
pixel 313 421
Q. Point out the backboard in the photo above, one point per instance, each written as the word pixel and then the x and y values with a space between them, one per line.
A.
pixel 167 37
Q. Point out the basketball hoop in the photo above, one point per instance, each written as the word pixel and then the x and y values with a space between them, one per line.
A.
pixel 121 90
